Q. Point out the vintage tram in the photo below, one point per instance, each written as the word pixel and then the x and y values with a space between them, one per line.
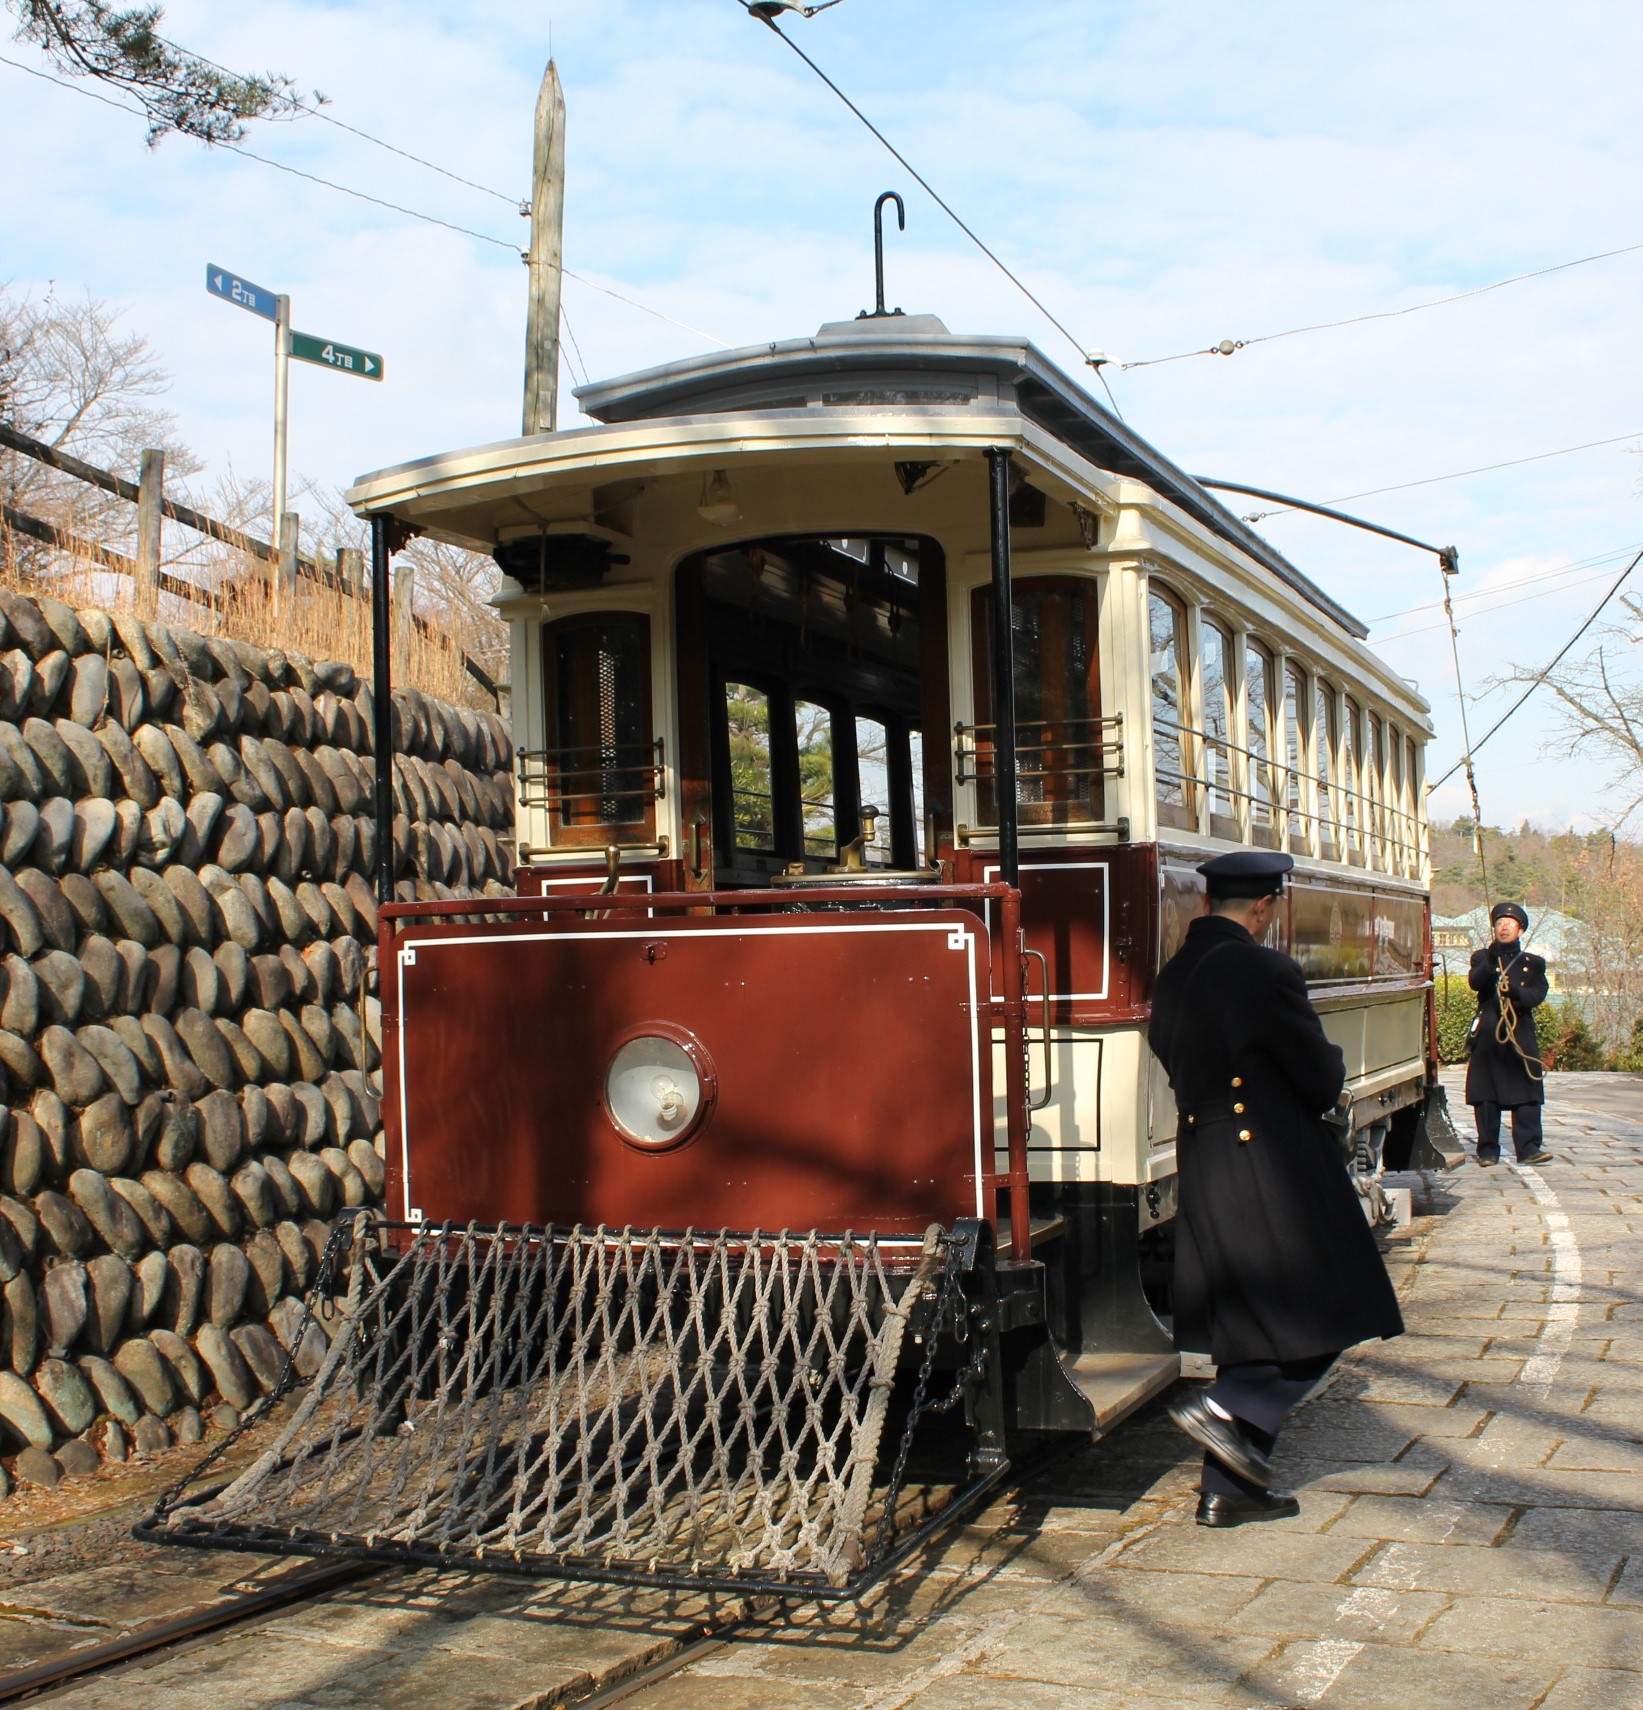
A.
pixel 875 697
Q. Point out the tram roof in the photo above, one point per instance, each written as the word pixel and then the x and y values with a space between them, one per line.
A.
pixel 910 362
pixel 917 350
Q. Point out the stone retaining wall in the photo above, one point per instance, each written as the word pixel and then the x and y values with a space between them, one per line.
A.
pixel 187 1043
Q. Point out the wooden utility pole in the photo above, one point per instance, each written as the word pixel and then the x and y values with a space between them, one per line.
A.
pixel 150 509
pixel 547 235
pixel 285 568
pixel 404 595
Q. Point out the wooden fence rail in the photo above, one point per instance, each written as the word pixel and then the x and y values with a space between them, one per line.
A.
pixel 143 572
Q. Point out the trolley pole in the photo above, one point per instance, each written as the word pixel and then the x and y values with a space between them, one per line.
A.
pixel 282 395
pixel 1003 669
pixel 382 692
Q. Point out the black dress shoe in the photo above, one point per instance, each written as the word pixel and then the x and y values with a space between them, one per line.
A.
pixel 1217 1508
pixel 1537 1158
pixel 1223 1438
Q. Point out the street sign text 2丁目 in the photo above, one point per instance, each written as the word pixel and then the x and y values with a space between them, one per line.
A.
pixel 231 288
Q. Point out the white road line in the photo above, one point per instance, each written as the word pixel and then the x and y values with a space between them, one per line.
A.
pixel 1313 1668
pixel 1316 1667
pixel 1563 1311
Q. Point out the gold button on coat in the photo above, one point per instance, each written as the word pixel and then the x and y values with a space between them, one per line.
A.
pixel 1237 1110
pixel 1244 1134
pixel 1237 1080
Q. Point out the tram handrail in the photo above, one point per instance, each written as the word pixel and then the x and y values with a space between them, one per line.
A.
pixel 629 901
pixel 1381 822
pixel 982 762
pixel 545 778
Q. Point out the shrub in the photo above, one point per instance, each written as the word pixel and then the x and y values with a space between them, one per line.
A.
pixel 1566 1042
pixel 1456 1004
pixel 1629 1058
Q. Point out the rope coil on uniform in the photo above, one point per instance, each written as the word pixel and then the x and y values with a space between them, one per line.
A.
pixel 1506 1025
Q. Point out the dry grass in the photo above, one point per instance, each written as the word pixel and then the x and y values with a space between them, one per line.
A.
pixel 237 598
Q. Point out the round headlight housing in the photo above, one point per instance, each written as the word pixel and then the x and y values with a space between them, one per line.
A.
pixel 659 1088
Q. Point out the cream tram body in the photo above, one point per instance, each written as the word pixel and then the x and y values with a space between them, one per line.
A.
pixel 733 517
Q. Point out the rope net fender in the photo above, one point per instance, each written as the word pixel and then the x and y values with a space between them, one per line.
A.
pixel 693 1408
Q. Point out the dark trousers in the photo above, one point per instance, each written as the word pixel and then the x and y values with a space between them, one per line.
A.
pixel 1526 1130
pixel 1260 1396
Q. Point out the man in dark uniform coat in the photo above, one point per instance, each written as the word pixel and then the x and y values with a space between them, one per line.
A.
pixel 1276 1270
pixel 1504 1071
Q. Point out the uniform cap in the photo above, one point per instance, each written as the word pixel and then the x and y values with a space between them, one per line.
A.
pixel 1247 873
pixel 1503 911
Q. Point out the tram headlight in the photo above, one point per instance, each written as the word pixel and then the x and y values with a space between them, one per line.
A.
pixel 659 1088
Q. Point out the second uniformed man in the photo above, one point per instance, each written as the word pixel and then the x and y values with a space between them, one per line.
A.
pixel 1503 1069
pixel 1276 1271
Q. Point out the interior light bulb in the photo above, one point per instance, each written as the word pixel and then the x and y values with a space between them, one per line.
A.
pixel 717 503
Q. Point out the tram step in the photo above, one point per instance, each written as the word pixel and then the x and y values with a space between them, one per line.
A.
pixel 1116 1384
pixel 1047 1229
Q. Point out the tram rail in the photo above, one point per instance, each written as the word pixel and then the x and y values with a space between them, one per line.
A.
pixel 40 1681
pixel 201 1622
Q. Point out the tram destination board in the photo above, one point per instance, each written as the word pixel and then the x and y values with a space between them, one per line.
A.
pixel 343 358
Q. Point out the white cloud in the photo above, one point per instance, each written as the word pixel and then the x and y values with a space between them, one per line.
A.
pixel 1162 178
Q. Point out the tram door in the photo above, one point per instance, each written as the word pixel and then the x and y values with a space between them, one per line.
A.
pixel 803 684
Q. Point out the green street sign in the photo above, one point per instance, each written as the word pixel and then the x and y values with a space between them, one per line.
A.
pixel 341 357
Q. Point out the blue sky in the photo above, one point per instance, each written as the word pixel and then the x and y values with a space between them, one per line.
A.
pixel 1162 177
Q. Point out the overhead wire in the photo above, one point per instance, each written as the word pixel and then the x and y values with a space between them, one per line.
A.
pixel 934 195
pixel 1454 475
pixel 1546 575
pixel 378 201
pixel 581 361
pixel 1540 676
pixel 1228 346
pixel 365 196
pixel 1493 604
pixel 318 112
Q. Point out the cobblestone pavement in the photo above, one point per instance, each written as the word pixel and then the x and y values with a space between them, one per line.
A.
pixel 1469 1530
pixel 1469 1533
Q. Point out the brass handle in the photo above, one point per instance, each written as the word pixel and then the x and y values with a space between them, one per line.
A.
pixel 696 848
pixel 1044 1039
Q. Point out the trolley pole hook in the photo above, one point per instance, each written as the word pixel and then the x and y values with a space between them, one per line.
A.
pixel 879 311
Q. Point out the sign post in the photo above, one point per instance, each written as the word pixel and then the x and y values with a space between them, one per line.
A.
pixel 282 401
pixel 340 358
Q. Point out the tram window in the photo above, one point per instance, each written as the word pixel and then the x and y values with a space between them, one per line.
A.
pixel 1060 759
pixel 1352 780
pixel 747 718
pixel 1215 648
pixel 1294 754
pixel 915 751
pixel 873 776
pixel 1411 784
pixel 816 781
pixel 599 768
pixel 1257 705
pixel 1167 623
pixel 1395 823
pixel 1374 788
pixel 1325 735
